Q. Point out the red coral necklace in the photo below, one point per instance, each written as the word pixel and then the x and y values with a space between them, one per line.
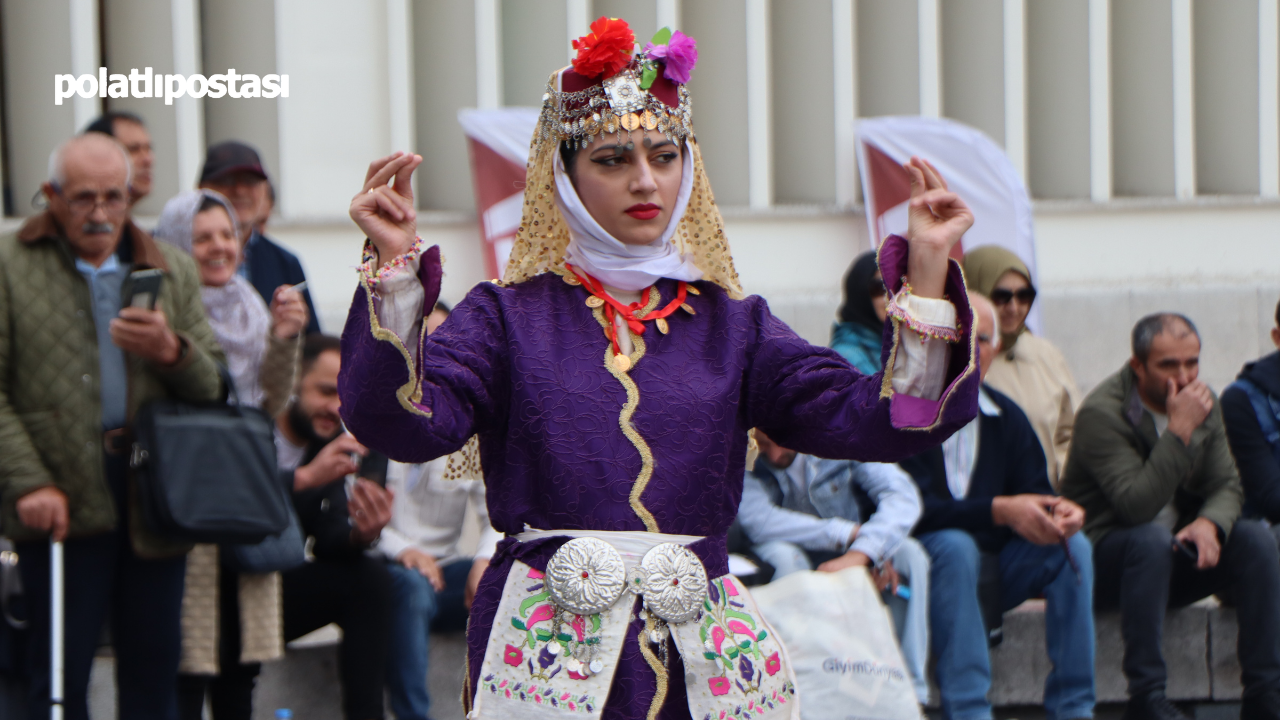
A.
pixel 613 307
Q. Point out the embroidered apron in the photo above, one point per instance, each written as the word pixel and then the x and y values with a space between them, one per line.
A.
pixel 557 635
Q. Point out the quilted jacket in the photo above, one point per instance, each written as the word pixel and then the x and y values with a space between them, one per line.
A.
pixel 50 399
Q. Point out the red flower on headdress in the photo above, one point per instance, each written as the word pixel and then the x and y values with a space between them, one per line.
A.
pixel 606 50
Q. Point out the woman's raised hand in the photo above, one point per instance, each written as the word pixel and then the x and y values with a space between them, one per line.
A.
pixel 385 212
pixel 936 220
pixel 289 312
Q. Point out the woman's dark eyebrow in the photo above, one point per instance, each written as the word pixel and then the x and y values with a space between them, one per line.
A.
pixel 614 147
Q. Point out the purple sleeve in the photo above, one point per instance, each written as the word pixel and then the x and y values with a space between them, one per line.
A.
pixel 809 399
pixel 415 414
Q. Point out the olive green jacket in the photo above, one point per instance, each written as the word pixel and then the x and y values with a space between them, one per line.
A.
pixel 1123 474
pixel 50 398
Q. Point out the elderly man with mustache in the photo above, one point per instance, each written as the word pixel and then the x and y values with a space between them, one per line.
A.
pixel 76 362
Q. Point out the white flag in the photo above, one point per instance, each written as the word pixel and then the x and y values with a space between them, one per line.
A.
pixel 976 169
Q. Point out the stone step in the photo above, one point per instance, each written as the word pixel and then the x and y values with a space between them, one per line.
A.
pixel 1199 648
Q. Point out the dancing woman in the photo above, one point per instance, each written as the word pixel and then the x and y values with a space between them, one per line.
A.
pixel 611 378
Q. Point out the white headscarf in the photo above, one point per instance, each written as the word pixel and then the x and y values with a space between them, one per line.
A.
pixel 237 314
pixel 609 260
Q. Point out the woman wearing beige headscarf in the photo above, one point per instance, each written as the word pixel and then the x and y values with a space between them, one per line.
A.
pixel 1029 369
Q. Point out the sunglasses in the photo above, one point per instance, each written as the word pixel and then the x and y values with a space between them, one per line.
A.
pixel 1025 296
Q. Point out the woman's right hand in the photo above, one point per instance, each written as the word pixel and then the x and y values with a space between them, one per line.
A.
pixel 385 212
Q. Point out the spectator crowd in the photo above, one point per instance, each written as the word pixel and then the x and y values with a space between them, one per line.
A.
pixel 1148 493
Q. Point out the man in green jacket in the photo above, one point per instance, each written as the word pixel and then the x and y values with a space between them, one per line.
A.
pixel 76 363
pixel 1151 467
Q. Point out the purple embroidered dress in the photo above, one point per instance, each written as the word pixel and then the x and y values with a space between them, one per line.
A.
pixel 568 441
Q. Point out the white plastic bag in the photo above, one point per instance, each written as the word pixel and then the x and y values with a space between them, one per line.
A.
pixel 841 642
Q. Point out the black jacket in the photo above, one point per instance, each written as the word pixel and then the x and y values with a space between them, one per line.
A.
pixel 269 266
pixel 1010 462
pixel 323 511
pixel 1259 470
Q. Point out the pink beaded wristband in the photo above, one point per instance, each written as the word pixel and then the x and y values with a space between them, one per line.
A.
pixel 924 330
pixel 373 278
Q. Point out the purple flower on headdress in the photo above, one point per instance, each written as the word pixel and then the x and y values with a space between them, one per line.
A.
pixel 679 56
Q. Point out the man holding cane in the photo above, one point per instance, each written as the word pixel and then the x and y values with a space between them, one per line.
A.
pixel 77 360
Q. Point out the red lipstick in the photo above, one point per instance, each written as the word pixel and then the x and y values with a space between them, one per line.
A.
pixel 644 211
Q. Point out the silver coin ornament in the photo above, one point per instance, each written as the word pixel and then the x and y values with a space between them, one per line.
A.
pixel 586 576
pixel 676 584
pixel 596 666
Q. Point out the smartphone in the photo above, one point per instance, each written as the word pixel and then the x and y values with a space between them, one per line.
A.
pixel 373 467
pixel 1188 549
pixel 145 286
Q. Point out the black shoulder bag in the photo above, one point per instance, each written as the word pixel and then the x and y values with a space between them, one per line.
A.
pixel 207 473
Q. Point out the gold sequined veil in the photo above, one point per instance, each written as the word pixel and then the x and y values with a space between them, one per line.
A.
pixel 543 236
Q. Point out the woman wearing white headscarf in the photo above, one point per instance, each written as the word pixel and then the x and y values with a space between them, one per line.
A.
pixel 612 377
pixel 220 656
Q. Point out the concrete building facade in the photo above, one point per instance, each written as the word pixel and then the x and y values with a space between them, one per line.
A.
pixel 1148 131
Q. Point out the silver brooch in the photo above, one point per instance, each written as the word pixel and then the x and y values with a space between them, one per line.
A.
pixel 676 584
pixel 624 93
pixel 586 576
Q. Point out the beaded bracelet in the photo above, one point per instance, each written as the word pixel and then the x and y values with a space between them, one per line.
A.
pixel 924 330
pixel 375 278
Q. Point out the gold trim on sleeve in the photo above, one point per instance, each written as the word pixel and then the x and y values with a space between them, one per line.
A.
pixel 411 392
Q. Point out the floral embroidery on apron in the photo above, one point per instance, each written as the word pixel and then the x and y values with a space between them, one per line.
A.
pixel 736 667
pixel 543 661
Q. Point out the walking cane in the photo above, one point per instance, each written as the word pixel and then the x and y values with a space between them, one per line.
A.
pixel 55 630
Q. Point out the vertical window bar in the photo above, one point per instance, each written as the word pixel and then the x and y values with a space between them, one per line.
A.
pixel 85 56
pixel 930 59
pixel 1184 128
pixel 400 79
pixel 1100 100
pixel 1015 84
pixel 1269 98
pixel 188 111
pixel 578 13
pixel 669 14
pixel 759 107
pixel 846 100
pixel 488 55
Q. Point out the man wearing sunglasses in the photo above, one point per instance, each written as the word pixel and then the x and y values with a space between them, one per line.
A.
pixel 76 361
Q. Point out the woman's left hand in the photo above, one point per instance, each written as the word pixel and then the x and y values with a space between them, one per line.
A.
pixel 936 220
pixel 289 312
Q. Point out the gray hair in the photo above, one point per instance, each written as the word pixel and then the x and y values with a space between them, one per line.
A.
pixel 57 158
pixel 996 339
pixel 1145 332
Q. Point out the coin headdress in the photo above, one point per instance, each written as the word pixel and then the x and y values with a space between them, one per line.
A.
pixel 614 89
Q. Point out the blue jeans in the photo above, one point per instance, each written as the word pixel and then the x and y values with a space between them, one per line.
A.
pixel 416 609
pixel 910 616
pixel 1026 571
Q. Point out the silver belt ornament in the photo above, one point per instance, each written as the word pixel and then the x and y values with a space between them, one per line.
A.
pixel 587 576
